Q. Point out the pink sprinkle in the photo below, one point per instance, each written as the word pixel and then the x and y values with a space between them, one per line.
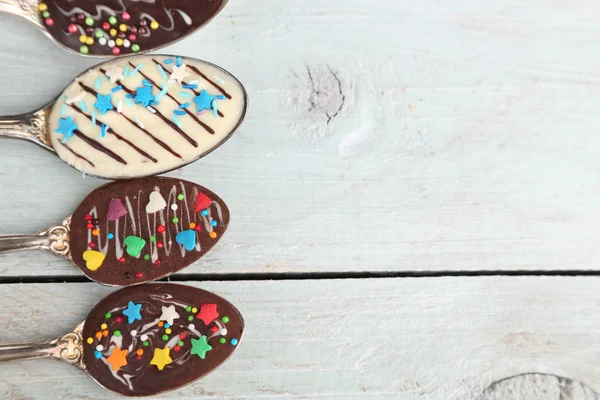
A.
pixel 116 51
pixel 73 28
pixel 49 21
pixel 126 16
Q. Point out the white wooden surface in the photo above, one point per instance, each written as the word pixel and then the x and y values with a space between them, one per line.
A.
pixel 467 138
pixel 438 338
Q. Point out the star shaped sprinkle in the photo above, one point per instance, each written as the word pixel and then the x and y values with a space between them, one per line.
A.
pixel 161 358
pixel 204 100
pixel 104 103
pixel 208 313
pixel 133 312
pixel 144 96
pixel 115 73
pixel 75 96
pixel 169 314
pixel 66 126
pixel 200 347
pixel 117 359
pixel 179 73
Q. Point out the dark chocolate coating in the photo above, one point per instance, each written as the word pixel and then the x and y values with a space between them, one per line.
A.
pixel 161 254
pixel 176 18
pixel 185 367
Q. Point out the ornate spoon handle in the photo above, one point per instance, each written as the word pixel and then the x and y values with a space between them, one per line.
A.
pixel 23 8
pixel 55 239
pixel 32 127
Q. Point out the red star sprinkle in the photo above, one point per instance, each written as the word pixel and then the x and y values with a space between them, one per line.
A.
pixel 208 313
pixel 202 202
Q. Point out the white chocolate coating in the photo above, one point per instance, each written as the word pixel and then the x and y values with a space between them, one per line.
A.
pixel 141 141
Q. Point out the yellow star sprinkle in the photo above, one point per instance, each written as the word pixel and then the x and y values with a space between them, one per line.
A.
pixel 161 358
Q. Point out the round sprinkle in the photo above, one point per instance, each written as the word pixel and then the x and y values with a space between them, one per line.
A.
pixel 42 7
pixel 98 335
pixel 204 213
pixel 223 332
pixel 97 354
pixel 153 238
pixel 133 332
pixel 98 33
pixel 160 229
pixel 132 37
pixel 225 319
pixel 147 257
pixel 112 20
pixel 168 331
pixel 82 39
pixel 123 28
pixel 106 25
pixel 116 51
pixel 213 223
pixel 119 320
pixel 180 197
pixel 80 16
pixel 160 324
pixel 154 25
pixel 191 318
pixel 222 340
pixel 176 347
pixel 111 43
pixel 87 217
pixel 165 337
pixel 110 236
pixel 144 337
pixel 89 21
pixel 46 14
pixel 89 41
pixel 174 207
pixel 122 259
pixel 103 326
pixel 198 228
pixel 126 16
pixel 102 41
pixel 99 347
pixel 126 43
pixel 157 262
pixel 194 310
pixel 234 342
pixel 73 29
pixel 107 315
pixel 213 235
pixel 139 357
pixel 188 309
pixel 175 220
pixel 91 245
pixel 191 326
pixel 90 226
pixel 143 22
pixel 192 225
pixel 119 42
pixel 167 325
pixel 138 275
pixel 113 32
pixel 90 340
pixel 135 48
pixel 180 343
pixel 145 343
pixel 95 232
pixel 105 332
pixel 139 352
pixel 214 329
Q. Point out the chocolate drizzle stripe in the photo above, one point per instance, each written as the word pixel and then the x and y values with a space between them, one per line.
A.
pixel 219 88
pixel 160 115
pixel 101 148
pixel 208 128
pixel 195 91
pixel 156 140
pixel 76 154
pixel 133 146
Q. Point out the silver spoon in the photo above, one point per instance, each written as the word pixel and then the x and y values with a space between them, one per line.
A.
pixel 104 28
pixel 137 116
pixel 146 339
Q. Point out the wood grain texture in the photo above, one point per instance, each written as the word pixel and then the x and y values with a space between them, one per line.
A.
pixel 384 136
pixel 433 338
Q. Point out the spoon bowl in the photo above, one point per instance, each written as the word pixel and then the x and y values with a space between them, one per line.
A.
pixel 137 116
pixel 111 28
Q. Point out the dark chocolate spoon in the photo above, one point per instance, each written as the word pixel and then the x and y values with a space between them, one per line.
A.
pixel 104 28
pixel 131 232
pixel 137 116
pixel 146 339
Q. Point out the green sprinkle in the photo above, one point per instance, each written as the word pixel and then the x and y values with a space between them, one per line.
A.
pixel 117 333
pixel 225 319
pixel 188 308
pixel 153 238
pixel 175 220
pixel 222 340
pixel 190 318
pixel 46 14
pixel 84 49
pixel 135 48
pixel 107 315
pixel 99 33
pixel 112 20
pixel 145 343
pixel 165 337
pixel 180 197
pixel 147 257
pixel 180 343
pixel 89 21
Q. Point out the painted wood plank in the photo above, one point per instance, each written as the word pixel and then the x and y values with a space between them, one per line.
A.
pixel 442 338
pixel 382 136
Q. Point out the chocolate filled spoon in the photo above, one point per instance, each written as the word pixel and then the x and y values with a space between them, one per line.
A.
pixel 137 116
pixel 146 339
pixel 131 232
pixel 103 28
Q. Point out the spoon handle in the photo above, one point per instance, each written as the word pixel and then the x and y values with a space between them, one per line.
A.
pixel 22 8
pixel 55 239
pixel 68 348
pixel 32 127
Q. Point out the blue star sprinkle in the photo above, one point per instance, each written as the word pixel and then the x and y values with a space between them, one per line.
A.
pixel 66 126
pixel 144 96
pixel 103 104
pixel 133 312
pixel 206 101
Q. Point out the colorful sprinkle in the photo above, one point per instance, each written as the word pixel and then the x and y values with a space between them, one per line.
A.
pixel 160 228
pixel 180 343
pixel 128 102
pixel 222 340
pixel 63 110
pixel 189 86
pixel 90 340
pixel 119 319
pixel 198 228
pixel 46 14
pixel 139 122
pixel 192 225
pixel 113 32
pixel 112 20
pixel 162 71
pixel 169 61
pixel 178 61
pixel 98 335
pixel 213 223
pixel 97 354
pixel 103 326
pixel 116 88
pixel 213 235
pixel 83 106
pixel 168 331
pixel 154 25
pixel 145 343
pixel 105 333
pixel 176 347
pixel 134 71
pixel 95 232
pixel 110 236
pixel 147 257
pixel 176 120
pixel 184 105
pixel 42 7
pixel 122 259
pixel 138 275
pixel 157 262
pixel 89 41
pixel 123 28
pixel 117 333
pixel 120 106
pixel 103 129
pixel 234 342
pixel 107 315
pixel 194 310
pixel 89 21
pixel 175 220
pixel 94 118
pixel 146 82
pixel 204 213
pixel 190 318
pixel 179 112
pixel 116 51
pixel 49 21
pixel 184 94
pixel 162 92
pixel 165 337
pixel 135 47
pixel 188 309
pixel 225 319
pixel 99 33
